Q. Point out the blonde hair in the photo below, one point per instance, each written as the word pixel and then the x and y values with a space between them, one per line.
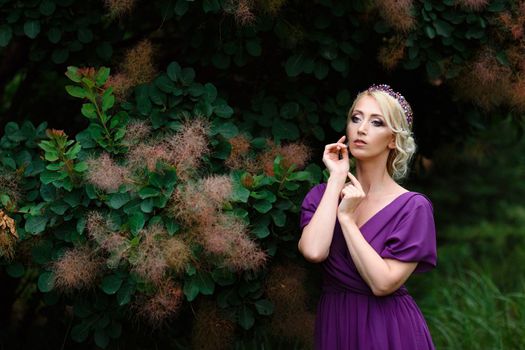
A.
pixel 399 158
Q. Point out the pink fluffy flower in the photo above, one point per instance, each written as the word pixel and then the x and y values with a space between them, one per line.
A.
pixel 188 146
pixel 159 307
pixel 76 269
pixel 149 261
pixel 105 174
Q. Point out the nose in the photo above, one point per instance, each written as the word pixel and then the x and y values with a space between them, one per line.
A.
pixel 362 129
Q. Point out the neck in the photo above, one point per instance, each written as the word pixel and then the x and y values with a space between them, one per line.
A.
pixel 373 175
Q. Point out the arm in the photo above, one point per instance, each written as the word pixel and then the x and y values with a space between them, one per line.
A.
pixel 383 276
pixel 316 237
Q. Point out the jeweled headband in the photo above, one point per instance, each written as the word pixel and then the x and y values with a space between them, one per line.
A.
pixel 400 99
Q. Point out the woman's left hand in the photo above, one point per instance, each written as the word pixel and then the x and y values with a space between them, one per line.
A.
pixel 352 195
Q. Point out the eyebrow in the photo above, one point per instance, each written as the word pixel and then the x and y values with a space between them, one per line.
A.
pixel 373 115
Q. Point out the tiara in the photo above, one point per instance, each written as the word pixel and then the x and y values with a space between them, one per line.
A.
pixel 400 99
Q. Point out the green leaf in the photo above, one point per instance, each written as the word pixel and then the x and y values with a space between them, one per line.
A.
pixel 136 222
pixel 59 208
pixel 111 284
pixel 80 167
pixel 211 95
pixel 47 7
pixel 60 55
pixel 101 338
pixel 114 330
pixel 264 307
pixel 41 253
pixel 261 231
pixel 433 69
pixel 246 317
pixel 76 91
pixel 443 28
pixel 223 111
pixel 284 130
pixel 300 176
pixel 279 217
pixel 35 224
pixel 262 206
pixel 171 225
pixel 239 192
pixel 89 110
pixel 343 98
pixel 222 150
pixel 73 151
pixel 80 332
pixel 108 100
pixel 48 177
pixel 294 65
pixel 165 84
pixel 502 58
pixel 187 76
pixel 102 75
pixel 72 74
pixel 223 276
pixel 430 32
pixel 147 205
pixel 9 162
pixel 85 35
pixel 264 194
pixel 289 110
pixel 228 130
pixel 191 289
pixel 51 157
pixel 4 199
pixel 340 64
pixel 148 192
pixel 32 28
pixel 181 7
pixel 6 33
pixel 321 70
pixel 211 6
pixel 15 270
pixel 253 47
pixel 117 200
pixel 46 281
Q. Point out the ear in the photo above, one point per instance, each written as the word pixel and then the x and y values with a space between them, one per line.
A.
pixel 392 143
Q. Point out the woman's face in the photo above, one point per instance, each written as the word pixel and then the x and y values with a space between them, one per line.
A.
pixel 368 124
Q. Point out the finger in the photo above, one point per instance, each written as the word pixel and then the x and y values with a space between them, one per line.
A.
pixel 342 139
pixel 355 182
pixel 344 152
pixel 332 145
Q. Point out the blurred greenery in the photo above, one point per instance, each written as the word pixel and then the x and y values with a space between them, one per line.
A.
pixel 281 70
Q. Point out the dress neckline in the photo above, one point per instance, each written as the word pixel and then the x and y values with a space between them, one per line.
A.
pixel 384 208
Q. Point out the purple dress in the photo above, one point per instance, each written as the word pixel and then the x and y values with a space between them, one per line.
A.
pixel 349 316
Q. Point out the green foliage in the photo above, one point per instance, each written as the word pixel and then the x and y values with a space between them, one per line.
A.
pixel 447 38
pixel 287 71
pixel 106 130
pixel 60 29
pixel 63 199
pixel 475 312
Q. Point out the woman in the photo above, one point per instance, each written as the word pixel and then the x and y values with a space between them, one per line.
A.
pixel 370 233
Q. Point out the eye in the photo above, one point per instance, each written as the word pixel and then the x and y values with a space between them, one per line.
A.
pixel 377 123
pixel 355 119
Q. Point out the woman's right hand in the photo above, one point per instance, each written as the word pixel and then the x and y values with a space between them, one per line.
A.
pixel 336 166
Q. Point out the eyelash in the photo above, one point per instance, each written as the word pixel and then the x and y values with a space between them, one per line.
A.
pixel 377 123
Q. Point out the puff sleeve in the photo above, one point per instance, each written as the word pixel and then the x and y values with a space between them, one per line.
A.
pixel 413 238
pixel 310 203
